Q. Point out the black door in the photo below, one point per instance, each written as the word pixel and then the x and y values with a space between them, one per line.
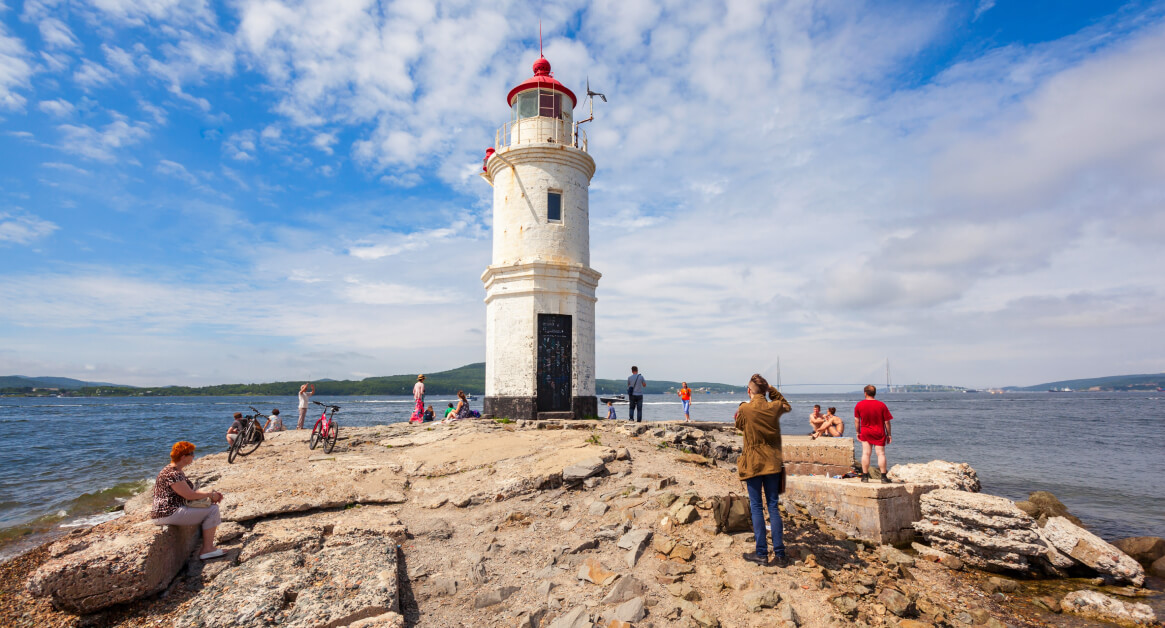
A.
pixel 554 357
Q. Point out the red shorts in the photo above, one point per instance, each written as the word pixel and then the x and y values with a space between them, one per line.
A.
pixel 877 438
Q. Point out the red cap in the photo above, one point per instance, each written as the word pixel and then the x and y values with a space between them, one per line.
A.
pixel 544 80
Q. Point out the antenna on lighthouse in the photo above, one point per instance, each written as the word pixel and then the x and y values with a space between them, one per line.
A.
pixel 590 103
pixel 540 55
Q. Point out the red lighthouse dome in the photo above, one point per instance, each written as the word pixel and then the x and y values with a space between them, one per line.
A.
pixel 542 79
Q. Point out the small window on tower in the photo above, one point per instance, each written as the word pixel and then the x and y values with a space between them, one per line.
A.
pixel 554 206
pixel 549 104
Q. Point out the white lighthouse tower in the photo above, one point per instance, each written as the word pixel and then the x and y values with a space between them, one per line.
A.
pixel 540 288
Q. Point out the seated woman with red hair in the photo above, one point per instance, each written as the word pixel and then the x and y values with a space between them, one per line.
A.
pixel 172 493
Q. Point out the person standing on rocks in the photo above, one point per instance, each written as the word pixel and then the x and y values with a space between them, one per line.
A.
pixel 635 386
pixel 685 394
pixel 872 423
pixel 761 465
pixel 304 398
pixel 419 397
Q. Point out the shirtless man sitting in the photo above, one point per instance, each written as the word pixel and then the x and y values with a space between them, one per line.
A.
pixel 816 420
pixel 831 425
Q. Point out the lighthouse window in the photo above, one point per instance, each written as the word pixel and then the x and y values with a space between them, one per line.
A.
pixel 554 206
pixel 526 105
pixel 549 104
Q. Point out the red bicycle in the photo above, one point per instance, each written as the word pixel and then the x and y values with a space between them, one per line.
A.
pixel 326 428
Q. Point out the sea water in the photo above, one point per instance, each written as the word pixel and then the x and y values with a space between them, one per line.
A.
pixel 68 461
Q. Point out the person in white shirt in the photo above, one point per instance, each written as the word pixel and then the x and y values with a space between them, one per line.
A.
pixel 304 398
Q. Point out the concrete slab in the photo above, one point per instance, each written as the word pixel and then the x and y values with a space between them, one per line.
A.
pixel 835 452
pixel 878 513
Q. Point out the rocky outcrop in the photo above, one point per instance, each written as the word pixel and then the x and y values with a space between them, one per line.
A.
pixel 1041 505
pixel 953 475
pixel 1094 605
pixel 985 531
pixel 115 565
pixel 1143 549
pixel 350 579
pixel 1092 551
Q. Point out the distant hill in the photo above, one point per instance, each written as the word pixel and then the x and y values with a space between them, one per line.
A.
pixel 1111 383
pixel 619 386
pixel 470 378
pixel 63 383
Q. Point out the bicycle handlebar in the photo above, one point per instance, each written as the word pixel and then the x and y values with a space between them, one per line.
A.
pixel 255 410
pixel 326 405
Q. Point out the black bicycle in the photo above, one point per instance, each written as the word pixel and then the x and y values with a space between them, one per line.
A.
pixel 248 438
pixel 326 428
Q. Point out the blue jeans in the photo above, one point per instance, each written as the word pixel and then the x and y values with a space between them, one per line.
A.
pixel 636 401
pixel 769 484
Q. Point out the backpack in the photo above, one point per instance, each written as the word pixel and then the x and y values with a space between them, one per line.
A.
pixel 732 513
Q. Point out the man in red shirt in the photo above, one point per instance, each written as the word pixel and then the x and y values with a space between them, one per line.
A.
pixel 872 423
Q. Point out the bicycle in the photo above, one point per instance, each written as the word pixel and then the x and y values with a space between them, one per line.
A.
pixel 326 428
pixel 248 438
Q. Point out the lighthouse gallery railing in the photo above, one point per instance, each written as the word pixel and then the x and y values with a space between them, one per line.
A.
pixel 539 129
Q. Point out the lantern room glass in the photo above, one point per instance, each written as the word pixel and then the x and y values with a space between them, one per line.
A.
pixel 544 103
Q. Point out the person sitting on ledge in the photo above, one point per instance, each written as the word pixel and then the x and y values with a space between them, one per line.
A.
pixel 428 416
pixel 172 496
pixel 274 423
pixel 816 419
pixel 448 411
pixel 832 425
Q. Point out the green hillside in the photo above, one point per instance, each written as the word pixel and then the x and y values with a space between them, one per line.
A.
pixel 1111 383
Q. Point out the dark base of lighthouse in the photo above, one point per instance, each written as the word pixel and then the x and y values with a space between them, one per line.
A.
pixel 526 408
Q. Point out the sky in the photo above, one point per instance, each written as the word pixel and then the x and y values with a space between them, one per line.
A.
pixel 200 192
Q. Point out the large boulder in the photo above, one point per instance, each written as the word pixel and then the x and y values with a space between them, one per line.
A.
pixel 117 564
pixel 1042 505
pixel 987 532
pixel 1143 549
pixel 1098 606
pixel 1158 568
pixel 1089 549
pixel 953 475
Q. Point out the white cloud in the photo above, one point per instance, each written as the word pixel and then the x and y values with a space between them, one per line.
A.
pixel 56 34
pixel 240 146
pixel 59 108
pixel 176 170
pixel 15 70
pixel 324 142
pixel 21 228
pixel 983 7
pixel 91 75
pixel 102 144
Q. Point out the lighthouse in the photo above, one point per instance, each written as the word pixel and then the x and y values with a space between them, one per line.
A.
pixel 539 286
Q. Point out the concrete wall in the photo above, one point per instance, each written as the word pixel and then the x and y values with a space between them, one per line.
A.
pixel 878 513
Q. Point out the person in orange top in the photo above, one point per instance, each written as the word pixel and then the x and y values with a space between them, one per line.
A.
pixel 686 398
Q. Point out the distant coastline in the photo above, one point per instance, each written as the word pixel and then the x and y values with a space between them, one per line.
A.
pixel 471 379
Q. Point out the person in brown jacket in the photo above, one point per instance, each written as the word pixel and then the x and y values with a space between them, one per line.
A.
pixel 760 464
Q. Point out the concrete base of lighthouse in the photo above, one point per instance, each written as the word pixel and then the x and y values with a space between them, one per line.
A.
pixel 526 408
pixel 540 351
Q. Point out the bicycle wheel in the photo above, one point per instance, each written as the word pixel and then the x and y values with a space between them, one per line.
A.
pixel 315 436
pixel 234 450
pixel 330 439
pixel 251 442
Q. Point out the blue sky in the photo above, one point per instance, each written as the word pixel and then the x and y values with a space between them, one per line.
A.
pixel 196 192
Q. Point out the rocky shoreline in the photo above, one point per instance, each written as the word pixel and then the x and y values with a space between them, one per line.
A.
pixel 567 525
